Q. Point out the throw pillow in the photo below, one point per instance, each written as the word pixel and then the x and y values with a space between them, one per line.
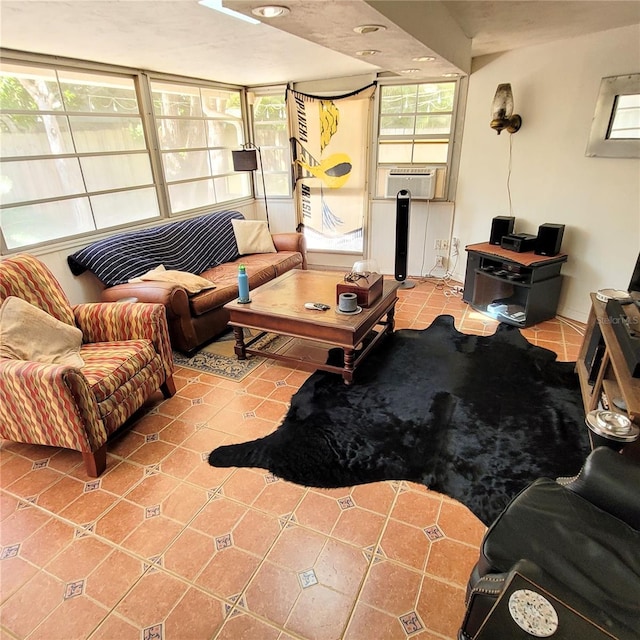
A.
pixel 190 281
pixel 28 333
pixel 252 236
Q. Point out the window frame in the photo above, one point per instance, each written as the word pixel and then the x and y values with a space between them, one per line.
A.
pixel 142 86
pixel 380 169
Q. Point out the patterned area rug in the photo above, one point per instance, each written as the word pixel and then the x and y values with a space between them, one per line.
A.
pixel 218 358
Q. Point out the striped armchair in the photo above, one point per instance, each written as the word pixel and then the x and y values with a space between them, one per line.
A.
pixel 127 357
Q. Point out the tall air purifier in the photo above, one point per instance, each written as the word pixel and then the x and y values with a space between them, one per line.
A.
pixel 403 209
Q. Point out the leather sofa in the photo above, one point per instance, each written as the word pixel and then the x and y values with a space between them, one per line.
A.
pixel 578 539
pixel 207 240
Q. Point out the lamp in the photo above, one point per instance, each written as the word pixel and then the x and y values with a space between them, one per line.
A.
pixel 502 116
pixel 246 160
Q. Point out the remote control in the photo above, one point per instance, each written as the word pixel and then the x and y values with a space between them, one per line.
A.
pixel 316 306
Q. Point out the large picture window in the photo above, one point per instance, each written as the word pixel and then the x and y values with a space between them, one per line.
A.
pixel 198 127
pixel 74 154
pixel 415 128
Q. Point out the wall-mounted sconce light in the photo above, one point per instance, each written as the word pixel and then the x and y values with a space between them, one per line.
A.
pixel 502 116
pixel 246 160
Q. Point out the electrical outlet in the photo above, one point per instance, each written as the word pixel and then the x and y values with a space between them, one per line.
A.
pixel 437 245
pixel 444 244
pixel 440 261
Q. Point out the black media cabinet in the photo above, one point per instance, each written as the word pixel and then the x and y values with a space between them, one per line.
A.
pixel 521 289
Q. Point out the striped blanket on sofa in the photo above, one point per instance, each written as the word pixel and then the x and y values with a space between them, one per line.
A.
pixel 193 245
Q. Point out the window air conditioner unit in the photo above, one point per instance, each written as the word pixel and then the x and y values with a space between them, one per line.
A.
pixel 420 181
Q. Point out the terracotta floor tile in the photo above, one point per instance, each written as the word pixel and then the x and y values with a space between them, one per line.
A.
pixel 8 505
pixel 318 512
pixel 368 622
pixel 228 572
pixel 341 567
pixel 116 627
pixel 174 407
pixel 152 597
pixel 297 548
pixel 452 561
pixel 320 614
pixel 359 527
pixel 151 423
pixel 125 444
pixel 15 572
pixel 47 541
pixel 245 627
pixel 377 496
pixel 20 616
pixel 417 509
pixel 180 462
pixel 78 558
pixel 76 618
pixel 441 607
pixel 120 521
pixel 279 497
pixel 152 537
pixel 272 592
pixel 197 615
pixel 189 553
pixel 458 523
pixel 21 524
pixel 60 495
pixel 110 580
pixel 218 517
pixel 34 482
pixel 405 544
pixel 244 485
pixel 204 475
pixel 256 532
pixel 121 477
pixel 65 460
pixel 151 453
pixel 184 502
pixel 152 489
pixel 89 506
pixel 391 587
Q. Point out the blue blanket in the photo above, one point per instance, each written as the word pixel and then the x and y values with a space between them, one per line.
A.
pixel 193 245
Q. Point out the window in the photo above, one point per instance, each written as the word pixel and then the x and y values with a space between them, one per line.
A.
pixel 415 128
pixel 615 129
pixel 272 136
pixel 197 128
pixel 74 154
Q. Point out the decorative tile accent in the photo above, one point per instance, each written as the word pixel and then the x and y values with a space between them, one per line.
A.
pixel 247 415
pixel 73 589
pixel 205 456
pixel 281 383
pixel 346 502
pixel 9 552
pixel 84 530
pixel 411 623
pixel 155 632
pixel 269 478
pixel 152 437
pixel 434 532
pixel 27 502
pixel 223 542
pixel 200 425
pixel 154 411
pixel 153 563
pixel 287 520
pixel 307 578
pixel 230 610
pixel 214 493
pixel 152 512
pixel 40 464
pixel 92 485
pixel 195 401
pixel 152 470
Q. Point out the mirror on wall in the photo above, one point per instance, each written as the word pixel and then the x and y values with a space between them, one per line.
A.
pixel 615 129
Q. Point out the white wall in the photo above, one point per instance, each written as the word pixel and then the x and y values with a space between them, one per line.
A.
pixel 598 199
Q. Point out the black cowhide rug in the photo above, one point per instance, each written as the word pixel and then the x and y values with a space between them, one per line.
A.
pixel 474 417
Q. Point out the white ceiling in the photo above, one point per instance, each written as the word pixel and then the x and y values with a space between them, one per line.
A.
pixel 315 41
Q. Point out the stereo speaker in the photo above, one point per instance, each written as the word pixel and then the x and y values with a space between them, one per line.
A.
pixel 501 226
pixel 549 239
pixel 403 209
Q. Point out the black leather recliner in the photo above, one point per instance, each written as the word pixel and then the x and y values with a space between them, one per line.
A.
pixel 578 538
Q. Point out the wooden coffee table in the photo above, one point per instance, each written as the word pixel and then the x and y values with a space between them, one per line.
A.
pixel 278 307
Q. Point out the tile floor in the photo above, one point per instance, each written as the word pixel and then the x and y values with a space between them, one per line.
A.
pixel 164 547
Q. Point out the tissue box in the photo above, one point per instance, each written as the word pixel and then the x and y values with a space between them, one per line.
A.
pixel 367 290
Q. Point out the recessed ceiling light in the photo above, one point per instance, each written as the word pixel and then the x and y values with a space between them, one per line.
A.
pixel 424 59
pixel 270 11
pixel 409 70
pixel 367 52
pixel 369 28
pixel 449 75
